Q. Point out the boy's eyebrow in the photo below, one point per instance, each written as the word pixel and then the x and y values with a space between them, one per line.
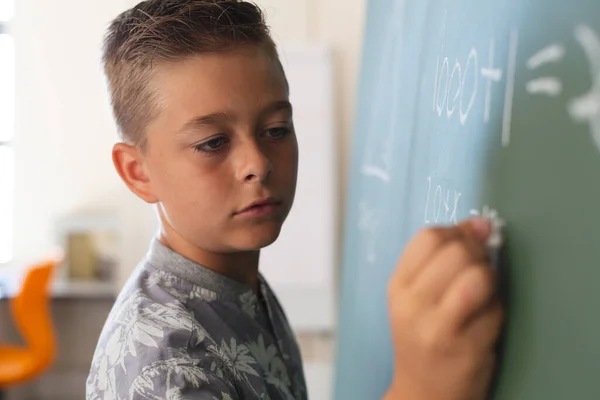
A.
pixel 212 119
pixel 282 105
pixel 203 120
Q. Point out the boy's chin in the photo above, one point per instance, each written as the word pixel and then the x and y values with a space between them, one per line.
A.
pixel 257 239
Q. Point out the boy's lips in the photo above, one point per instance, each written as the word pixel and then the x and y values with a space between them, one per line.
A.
pixel 261 207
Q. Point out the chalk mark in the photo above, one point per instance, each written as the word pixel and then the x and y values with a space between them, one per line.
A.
pixel 586 108
pixel 492 75
pixel 547 85
pixel 510 86
pixel 377 172
pixel 549 54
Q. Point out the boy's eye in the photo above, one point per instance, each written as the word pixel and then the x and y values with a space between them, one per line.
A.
pixel 211 145
pixel 278 132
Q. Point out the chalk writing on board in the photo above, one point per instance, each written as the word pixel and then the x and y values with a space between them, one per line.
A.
pixel 510 86
pixel 451 78
pixel 445 96
pixel 549 54
pixel 586 108
pixel 548 85
pixel 449 85
pixel 445 82
pixel 441 204
pixel 491 74
pixel 377 172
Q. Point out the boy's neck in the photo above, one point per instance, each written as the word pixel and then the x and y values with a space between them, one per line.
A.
pixel 241 267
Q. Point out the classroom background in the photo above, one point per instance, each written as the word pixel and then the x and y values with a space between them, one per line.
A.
pixel 59 190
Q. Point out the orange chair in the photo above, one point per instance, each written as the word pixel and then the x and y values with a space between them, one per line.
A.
pixel 30 310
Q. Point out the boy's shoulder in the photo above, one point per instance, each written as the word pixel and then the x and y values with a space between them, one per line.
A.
pixel 147 338
pixel 168 334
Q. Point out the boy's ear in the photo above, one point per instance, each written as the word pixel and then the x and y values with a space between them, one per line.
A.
pixel 129 163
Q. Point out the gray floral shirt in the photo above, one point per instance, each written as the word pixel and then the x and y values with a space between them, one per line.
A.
pixel 181 331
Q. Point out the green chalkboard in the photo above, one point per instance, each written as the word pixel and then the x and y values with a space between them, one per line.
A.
pixel 478 106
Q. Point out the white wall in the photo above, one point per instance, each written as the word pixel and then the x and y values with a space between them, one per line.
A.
pixel 64 129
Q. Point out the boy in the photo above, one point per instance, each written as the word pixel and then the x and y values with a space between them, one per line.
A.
pixel 201 102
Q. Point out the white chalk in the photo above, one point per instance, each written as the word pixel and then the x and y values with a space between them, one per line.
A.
pixel 496 239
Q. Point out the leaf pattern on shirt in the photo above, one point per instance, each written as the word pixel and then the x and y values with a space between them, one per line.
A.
pixel 248 300
pixel 181 366
pixel 161 342
pixel 140 324
pixel 202 294
pixel 235 357
pixel 263 354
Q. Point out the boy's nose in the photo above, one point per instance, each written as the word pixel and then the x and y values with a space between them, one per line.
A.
pixel 254 164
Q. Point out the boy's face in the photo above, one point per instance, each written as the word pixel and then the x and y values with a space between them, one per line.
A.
pixel 223 140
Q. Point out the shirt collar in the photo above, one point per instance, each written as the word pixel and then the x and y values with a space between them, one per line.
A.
pixel 165 259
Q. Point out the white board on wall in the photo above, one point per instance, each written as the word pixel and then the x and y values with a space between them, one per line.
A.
pixel 300 265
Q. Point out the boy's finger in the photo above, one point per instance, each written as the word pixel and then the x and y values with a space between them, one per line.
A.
pixel 424 245
pixel 419 250
pixel 478 229
pixel 475 233
pixel 444 267
pixel 469 293
pixel 484 329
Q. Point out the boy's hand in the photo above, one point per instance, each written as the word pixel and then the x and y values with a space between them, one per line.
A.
pixel 444 314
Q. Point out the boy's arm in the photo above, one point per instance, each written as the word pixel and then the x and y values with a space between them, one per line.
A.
pixel 170 379
pixel 445 318
pixel 150 358
pixel 181 382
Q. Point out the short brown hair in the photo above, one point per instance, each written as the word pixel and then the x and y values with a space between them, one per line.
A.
pixel 158 31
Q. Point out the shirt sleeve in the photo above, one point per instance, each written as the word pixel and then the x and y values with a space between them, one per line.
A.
pixel 179 380
pixel 144 353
